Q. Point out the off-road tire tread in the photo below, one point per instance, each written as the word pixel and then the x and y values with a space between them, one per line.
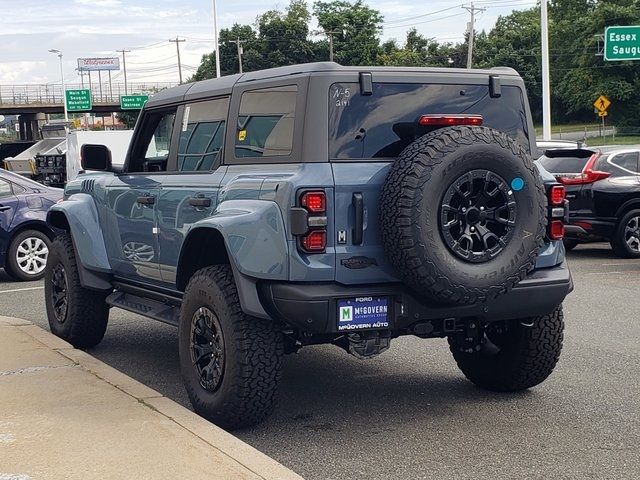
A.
pixel 528 363
pixel 261 347
pixel 399 212
pixel 87 311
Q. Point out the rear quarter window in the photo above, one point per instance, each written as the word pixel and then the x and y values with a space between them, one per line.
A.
pixel 381 125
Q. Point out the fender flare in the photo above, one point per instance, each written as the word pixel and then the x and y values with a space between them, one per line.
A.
pixel 256 245
pixel 81 217
pixel 254 236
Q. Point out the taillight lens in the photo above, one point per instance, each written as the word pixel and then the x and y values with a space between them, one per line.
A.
pixel 556 230
pixel 556 195
pixel 449 120
pixel 588 175
pixel 315 241
pixel 314 202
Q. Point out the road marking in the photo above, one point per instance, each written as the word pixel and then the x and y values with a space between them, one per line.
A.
pixel 620 264
pixel 22 289
pixel 605 273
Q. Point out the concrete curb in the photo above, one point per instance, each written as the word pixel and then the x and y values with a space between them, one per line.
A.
pixel 254 460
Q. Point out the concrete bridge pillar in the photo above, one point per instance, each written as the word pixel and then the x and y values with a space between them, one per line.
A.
pixel 30 125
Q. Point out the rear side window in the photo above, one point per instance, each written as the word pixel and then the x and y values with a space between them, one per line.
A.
pixel 5 189
pixel 202 134
pixel 265 122
pixel 381 125
pixel 626 162
pixel 564 164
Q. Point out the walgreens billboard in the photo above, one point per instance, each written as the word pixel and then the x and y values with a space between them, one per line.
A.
pixel 99 63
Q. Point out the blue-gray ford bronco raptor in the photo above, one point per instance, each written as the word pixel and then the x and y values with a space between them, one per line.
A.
pixel 314 204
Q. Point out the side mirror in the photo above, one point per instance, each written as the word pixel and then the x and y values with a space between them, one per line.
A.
pixel 95 157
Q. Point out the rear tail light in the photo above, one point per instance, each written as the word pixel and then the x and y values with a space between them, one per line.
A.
pixel 314 202
pixel 556 212
pixel 438 120
pixel 556 195
pixel 312 221
pixel 315 241
pixel 556 229
pixel 588 175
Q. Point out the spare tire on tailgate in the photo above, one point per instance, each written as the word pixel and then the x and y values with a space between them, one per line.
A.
pixel 462 214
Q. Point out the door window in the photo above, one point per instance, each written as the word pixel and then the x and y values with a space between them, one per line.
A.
pixel 154 143
pixel 202 135
pixel 265 122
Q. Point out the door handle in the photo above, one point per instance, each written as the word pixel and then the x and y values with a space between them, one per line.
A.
pixel 4 208
pixel 200 202
pixel 358 230
pixel 146 200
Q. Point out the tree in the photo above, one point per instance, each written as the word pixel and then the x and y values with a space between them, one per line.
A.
pixel 128 118
pixel 514 42
pixel 356 29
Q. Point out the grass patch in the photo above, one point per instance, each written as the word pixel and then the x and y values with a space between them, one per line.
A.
pixel 610 140
pixel 574 127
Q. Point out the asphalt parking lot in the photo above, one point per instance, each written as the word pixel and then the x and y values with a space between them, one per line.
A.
pixel 410 413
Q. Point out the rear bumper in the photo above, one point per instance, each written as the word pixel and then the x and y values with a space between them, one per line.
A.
pixel 312 307
pixel 590 229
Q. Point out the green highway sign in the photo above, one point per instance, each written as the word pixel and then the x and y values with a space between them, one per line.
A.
pixel 133 102
pixel 622 43
pixel 78 100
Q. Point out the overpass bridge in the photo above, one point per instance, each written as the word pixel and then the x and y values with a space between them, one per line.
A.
pixel 32 102
pixel 48 98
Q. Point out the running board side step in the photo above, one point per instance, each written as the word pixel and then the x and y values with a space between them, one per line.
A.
pixel 145 306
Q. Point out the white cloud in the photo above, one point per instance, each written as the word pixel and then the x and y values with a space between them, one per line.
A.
pixel 85 28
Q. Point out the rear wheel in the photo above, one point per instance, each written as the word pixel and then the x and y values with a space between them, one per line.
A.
pixel 230 362
pixel 513 356
pixel 27 255
pixel 76 314
pixel 626 242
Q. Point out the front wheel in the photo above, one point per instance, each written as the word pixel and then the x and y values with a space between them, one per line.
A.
pixel 230 362
pixel 513 355
pixel 76 314
pixel 626 242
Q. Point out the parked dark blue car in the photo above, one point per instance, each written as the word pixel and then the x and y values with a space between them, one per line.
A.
pixel 24 235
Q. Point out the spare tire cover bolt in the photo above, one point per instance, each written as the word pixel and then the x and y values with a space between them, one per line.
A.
pixel 481 209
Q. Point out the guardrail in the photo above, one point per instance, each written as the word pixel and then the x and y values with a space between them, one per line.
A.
pixel 52 94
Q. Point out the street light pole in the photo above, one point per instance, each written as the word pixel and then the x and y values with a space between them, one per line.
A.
pixel 546 87
pixel 215 39
pixel 64 89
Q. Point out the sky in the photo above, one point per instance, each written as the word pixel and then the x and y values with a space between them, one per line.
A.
pixel 96 28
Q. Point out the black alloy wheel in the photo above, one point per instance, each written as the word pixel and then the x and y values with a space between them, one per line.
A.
pixel 59 292
pixel 207 348
pixel 478 215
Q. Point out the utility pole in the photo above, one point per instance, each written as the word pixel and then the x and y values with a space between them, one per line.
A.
pixel 215 38
pixel 329 35
pixel 177 41
pixel 546 87
pixel 239 43
pixel 124 67
pixel 472 10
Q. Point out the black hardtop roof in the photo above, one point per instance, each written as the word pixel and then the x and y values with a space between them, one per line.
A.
pixel 224 85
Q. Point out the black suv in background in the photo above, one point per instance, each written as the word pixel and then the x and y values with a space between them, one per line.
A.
pixel 603 189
